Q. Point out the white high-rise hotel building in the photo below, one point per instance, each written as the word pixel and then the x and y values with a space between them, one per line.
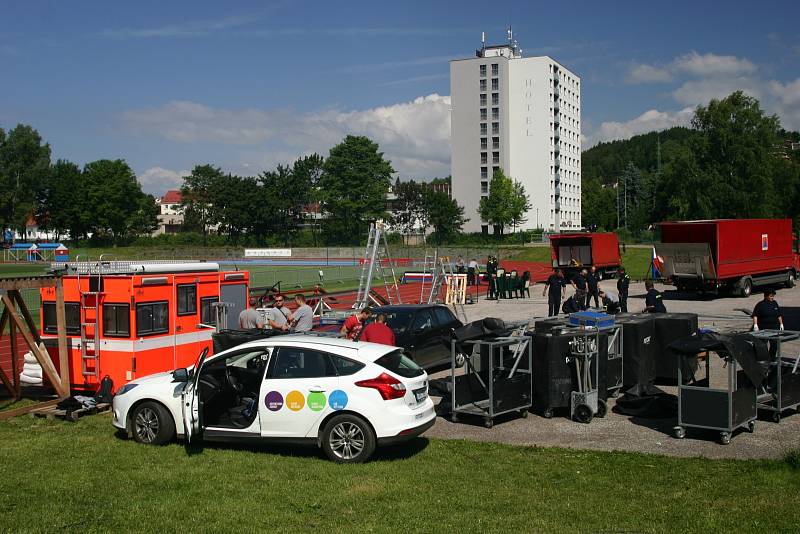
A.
pixel 522 115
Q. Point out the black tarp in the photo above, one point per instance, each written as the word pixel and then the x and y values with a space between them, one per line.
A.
pixel 744 348
pixel 638 349
pixel 487 328
pixel 227 339
pixel 670 327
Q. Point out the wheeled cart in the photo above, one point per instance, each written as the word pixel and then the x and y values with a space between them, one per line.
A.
pixel 496 380
pixel 716 408
pixel 781 390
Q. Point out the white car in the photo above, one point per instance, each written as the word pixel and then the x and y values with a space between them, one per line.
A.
pixel 346 397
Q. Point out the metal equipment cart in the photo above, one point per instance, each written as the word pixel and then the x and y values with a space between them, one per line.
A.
pixel 781 392
pixel 725 410
pixel 497 377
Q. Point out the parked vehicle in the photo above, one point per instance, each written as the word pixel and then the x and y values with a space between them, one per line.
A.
pixel 728 254
pixel 574 251
pixel 424 331
pixel 345 397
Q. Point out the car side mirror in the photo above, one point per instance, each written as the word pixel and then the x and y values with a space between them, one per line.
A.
pixel 180 375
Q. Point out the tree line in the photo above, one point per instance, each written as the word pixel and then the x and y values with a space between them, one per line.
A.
pixel 735 161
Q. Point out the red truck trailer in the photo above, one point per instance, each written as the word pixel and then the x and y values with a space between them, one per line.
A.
pixel 728 254
pixel 577 250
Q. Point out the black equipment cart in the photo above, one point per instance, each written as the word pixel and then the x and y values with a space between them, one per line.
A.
pixel 781 390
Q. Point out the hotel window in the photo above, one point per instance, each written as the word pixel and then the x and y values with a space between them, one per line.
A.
pixel 483 100
pixel 483 143
pixel 495 99
pixel 484 173
pixel 495 114
pixel 495 69
pixel 484 187
pixel 495 84
pixel 483 114
pixel 495 127
pixel 496 157
pixel 483 71
pixel 483 128
pixel 483 85
pixel 483 158
pixel 495 143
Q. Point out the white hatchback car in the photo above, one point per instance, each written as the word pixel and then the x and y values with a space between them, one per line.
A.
pixel 346 397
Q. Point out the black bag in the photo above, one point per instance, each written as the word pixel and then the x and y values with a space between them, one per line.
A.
pixel 105 393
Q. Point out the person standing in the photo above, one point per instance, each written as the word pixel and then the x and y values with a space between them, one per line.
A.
pixel 592 280
pixel 279 319
pixel 302 319
pixel 353 324
pixel 654 300
pixel 554 289
pixel 473 274
pixel 250 319
pixel 378 332
pixel 491 273
pixel 767 316
pixel 460 265
pixel 579 283
pixel 623 282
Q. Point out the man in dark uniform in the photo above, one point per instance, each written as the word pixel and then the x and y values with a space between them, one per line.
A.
pixel 654 299
pixel 491 273
pixel 554 289
pixel 579 283
pixel 594 291
pixel 623 281
pixel 767 316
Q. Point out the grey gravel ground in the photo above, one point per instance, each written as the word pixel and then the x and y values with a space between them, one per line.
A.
pixel 624 433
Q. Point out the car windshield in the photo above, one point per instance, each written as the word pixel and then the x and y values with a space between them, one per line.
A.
pixel 398 321
pixel 400 364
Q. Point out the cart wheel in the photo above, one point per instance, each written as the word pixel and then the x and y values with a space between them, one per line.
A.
pixel 751 426
pixel 724 438
pixel 776 417
pixel 583 414
pixel 488 423
pixel 615 394
pixel 679 432
pixel 602 408
pixel 523 414
pixel 548 413
pixel 453 418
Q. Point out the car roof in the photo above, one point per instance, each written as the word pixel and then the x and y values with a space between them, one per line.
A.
pixel 359 350
pixel 404 307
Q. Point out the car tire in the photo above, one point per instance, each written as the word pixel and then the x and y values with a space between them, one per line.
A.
pixel 152 424
pixel 348 439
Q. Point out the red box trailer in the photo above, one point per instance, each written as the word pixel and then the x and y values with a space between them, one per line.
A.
pixel 728 254
pixel 583 249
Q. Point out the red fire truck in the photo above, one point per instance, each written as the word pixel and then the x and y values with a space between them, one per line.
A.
pixel 574 251
pixel 131 319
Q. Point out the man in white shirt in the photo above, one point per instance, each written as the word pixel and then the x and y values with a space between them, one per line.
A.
pixel 302 319
pixel 610 301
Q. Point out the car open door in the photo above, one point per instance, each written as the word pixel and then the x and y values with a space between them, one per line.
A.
pixel 190 403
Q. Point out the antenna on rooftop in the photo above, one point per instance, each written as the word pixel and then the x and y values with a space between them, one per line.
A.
pixel 483 39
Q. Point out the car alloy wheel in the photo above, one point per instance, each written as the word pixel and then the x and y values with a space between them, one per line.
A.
pixel 346 440
pixel 146 425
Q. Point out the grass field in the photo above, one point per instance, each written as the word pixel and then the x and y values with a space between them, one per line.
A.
pixel 83 477
pixel 635 260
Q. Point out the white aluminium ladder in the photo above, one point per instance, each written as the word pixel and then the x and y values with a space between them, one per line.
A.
pixel 90 303
pixel 377 261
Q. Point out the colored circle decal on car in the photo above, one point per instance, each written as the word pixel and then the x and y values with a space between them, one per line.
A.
pixel 273 401
pixel 337 399
pixel 316 401
pixel 295 401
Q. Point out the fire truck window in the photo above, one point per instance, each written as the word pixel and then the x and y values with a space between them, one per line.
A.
pixel 187 299
pixel 152 318
pixel 116 320
pixel 207 313
pixel 73 315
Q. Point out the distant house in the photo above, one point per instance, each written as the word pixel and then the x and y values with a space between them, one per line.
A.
pixel 170 216
pixel 33 233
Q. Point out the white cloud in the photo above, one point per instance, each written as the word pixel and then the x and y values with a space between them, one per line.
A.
pixel 157 180
pixel 691 64
pixel 700 92
pixel 186 29
pixel 414 135
pixel 651 120
pixel 786 102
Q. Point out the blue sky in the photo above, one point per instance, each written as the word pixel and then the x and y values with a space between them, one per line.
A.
pixel 248 85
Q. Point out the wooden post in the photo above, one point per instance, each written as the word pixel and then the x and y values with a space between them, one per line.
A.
pixel 14 359
pixel 61 321
pixel 3 377
pixel 23 308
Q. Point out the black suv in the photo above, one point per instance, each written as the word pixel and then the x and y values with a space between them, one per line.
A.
pixel 423 330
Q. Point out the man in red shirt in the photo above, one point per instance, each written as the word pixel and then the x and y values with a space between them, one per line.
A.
pixel 352 325
pixel 378 332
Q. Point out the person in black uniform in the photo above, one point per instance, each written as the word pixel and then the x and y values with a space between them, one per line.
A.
pixel 654 299
pixel 594 291
pixel 767 316
pixel 579 283
pixel 554 289
pixel 491 274
pixel 622 289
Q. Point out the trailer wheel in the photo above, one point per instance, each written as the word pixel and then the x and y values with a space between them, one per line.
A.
pixel 790 280
pixel 725 438
pixel 679 432
pixel 746 287
pixel 583 414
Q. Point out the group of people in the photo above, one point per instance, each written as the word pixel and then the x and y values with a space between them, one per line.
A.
pixel 376 331
pixel 473 271
pixel 586 285
pixel 281 318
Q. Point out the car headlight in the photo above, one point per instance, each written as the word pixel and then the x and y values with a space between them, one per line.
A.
pixel 126 388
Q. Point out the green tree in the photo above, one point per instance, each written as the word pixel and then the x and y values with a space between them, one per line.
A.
pixel 409 211
pixel 235 204
pixel 24 166
pixel 520 204
pixel 355 181
pixel 198 203
pixel 63 206
pixel 498 207
pixel 443 213
pixel 307 172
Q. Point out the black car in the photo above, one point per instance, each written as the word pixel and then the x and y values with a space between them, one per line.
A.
pixel 423 330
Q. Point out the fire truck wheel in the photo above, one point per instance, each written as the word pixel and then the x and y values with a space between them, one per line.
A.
pixel 152 424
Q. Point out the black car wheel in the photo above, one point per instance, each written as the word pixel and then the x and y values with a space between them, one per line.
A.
pixel 152 424
pixel 348 439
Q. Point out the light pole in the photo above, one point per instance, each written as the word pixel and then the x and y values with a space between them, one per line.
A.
pixel 537 218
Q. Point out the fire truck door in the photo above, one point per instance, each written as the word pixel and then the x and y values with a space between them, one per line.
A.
pixel 236 294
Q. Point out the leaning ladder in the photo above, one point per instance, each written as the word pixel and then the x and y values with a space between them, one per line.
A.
pixel 443 273
pixel 377 261
pixel 90 302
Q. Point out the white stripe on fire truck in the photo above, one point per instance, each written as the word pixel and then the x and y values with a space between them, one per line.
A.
pixel 131 345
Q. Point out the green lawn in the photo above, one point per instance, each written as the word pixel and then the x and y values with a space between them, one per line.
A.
pixel 82 477
pixel 635 260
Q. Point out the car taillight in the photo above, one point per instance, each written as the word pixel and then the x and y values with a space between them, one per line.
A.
pixel 388 386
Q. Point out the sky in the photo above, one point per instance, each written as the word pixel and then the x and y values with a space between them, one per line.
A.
pixel 247 85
